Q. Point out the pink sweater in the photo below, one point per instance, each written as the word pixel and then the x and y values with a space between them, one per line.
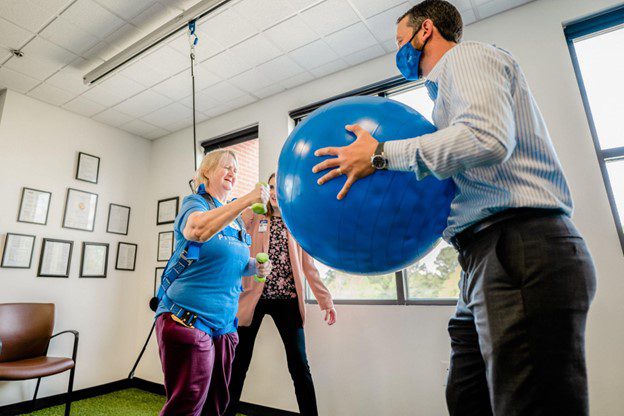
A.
pixel 302 267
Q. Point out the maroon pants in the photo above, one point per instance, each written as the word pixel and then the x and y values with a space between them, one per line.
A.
pixel 197 368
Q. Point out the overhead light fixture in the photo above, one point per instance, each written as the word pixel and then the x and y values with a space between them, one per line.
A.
pixel 167 30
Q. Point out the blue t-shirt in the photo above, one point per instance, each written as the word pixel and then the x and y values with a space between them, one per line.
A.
pixel 210 286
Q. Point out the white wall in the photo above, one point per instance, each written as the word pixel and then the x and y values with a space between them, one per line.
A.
pixel 39 144
pixel 387 360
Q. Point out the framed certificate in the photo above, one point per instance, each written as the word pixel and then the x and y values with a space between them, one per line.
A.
pixel 157 275
pixel 118 219
pixel 165 245
pixel 167 210
pixel 94 260
pixel 55 258
pixel 34 206
pixel 126 256
pixel 80 209
pixel 88 168
pixel 18 251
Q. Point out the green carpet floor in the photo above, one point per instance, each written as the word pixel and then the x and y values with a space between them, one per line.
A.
pixel 130 402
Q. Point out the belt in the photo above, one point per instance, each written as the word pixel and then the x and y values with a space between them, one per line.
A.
pixel 471 234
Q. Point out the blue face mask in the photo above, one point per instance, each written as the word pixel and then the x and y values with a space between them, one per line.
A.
pixel 408 60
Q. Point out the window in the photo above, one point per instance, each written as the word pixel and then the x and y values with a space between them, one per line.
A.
pixel 433 279
pixel 595 45
pixel 246 146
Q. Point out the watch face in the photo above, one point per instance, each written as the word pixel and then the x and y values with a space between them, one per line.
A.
pixel 379 162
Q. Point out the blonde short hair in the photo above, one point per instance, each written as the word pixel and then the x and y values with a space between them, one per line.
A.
pixel 211 161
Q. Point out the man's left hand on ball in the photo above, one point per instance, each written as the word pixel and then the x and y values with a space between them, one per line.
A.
pixel 353 160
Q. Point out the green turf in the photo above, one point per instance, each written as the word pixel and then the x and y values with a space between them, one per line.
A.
pixel 129 402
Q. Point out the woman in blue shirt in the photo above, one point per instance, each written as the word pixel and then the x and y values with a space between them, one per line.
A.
pixel 196 318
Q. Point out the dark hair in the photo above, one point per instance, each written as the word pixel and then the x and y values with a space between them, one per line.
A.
pixel 270 210
pixel 444 15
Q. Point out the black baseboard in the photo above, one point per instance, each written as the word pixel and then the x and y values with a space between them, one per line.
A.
pixel 249 409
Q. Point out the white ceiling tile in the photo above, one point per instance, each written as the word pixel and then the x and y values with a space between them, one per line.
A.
pixel 303 4
pixel 223 92
pixel 155 133
pixel 206 46
pixel 70 78
pixel 40 48
pixel 203 77
pixel 104 96
pixel 351 39
pixel 460 4
pixel 122 85
pixel 268 91
pixel 182 124
pixel 126 9
pixel 35 68
pixel 102 51
pixel 241 101
pixel 124 37
pixel 225 65
pixel 390 46
pixel 69 36
pixel 142 74
pixel 4 54
pixel 54 6
pixel 112 117
pixel 280 68
pixel 228 28
pixel 291 34
pixel 181 4
pixel 496 6
pixel 262 13
pixel 217 111
pixel 330 16
pixel 255 51
pixel 297 80
pixel 84 106
pixel 313 55
pixel 383 25
pixel 16 81
pixel 165 60
pixel 13 36
pixel 165 116
pixel 143 103
pixel 368 8
pixel 93 18
pixel 250 80
pixel 26 14
pixel 329 68
pixel 364 55
pixel 468 16
pixel 153 17
pixel 51 94
pixel 203 101
pixel 176 87
pixel 138 127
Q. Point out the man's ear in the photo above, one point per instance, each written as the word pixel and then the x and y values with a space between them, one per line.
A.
pixel 427 29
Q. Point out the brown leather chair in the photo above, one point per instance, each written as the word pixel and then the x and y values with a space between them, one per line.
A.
pixel 25 334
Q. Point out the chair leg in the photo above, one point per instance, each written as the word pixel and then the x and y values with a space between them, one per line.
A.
pixel 34 400
pixel 69 391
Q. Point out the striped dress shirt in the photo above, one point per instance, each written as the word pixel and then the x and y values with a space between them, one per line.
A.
pixel 491 139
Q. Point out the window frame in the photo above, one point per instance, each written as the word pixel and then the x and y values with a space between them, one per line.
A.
pixel 383 88
pixel 229 139
pixel 591 26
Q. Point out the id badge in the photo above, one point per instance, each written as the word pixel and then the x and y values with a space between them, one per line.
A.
pixel 264 224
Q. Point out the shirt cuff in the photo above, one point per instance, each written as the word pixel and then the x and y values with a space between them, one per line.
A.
pixel 403 155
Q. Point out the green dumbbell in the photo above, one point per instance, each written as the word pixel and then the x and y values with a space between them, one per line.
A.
pixel 261 258
pixel 258 207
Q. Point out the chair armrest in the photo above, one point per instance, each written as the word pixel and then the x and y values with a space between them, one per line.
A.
pixel 71 331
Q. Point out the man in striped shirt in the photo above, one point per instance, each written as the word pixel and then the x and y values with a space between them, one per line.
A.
pixel 517 335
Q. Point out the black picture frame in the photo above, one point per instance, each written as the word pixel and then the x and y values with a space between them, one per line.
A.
pixel 43 248
pixel 158 258
pixel 156 279
pixel 167 220
pixel 69 191
pixel 136 248
pixel 82 258
pixel 19 212
pixel 4 251
pixel 110 208
pixel 97 172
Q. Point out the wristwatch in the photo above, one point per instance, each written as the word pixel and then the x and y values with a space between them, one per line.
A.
pixel 378 160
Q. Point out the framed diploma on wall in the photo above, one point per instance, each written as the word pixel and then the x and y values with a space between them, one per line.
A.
pixel 80 210
pixel 34 206
pixel 118 219
pixel 94 259
pixel 165 245
pixel 55 258
pixel 88 168
pixel 18 251
pixel 126 256
pixel 157 276
pixel 167 210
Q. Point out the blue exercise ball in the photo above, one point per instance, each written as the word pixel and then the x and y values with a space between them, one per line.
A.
pixel 388 220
